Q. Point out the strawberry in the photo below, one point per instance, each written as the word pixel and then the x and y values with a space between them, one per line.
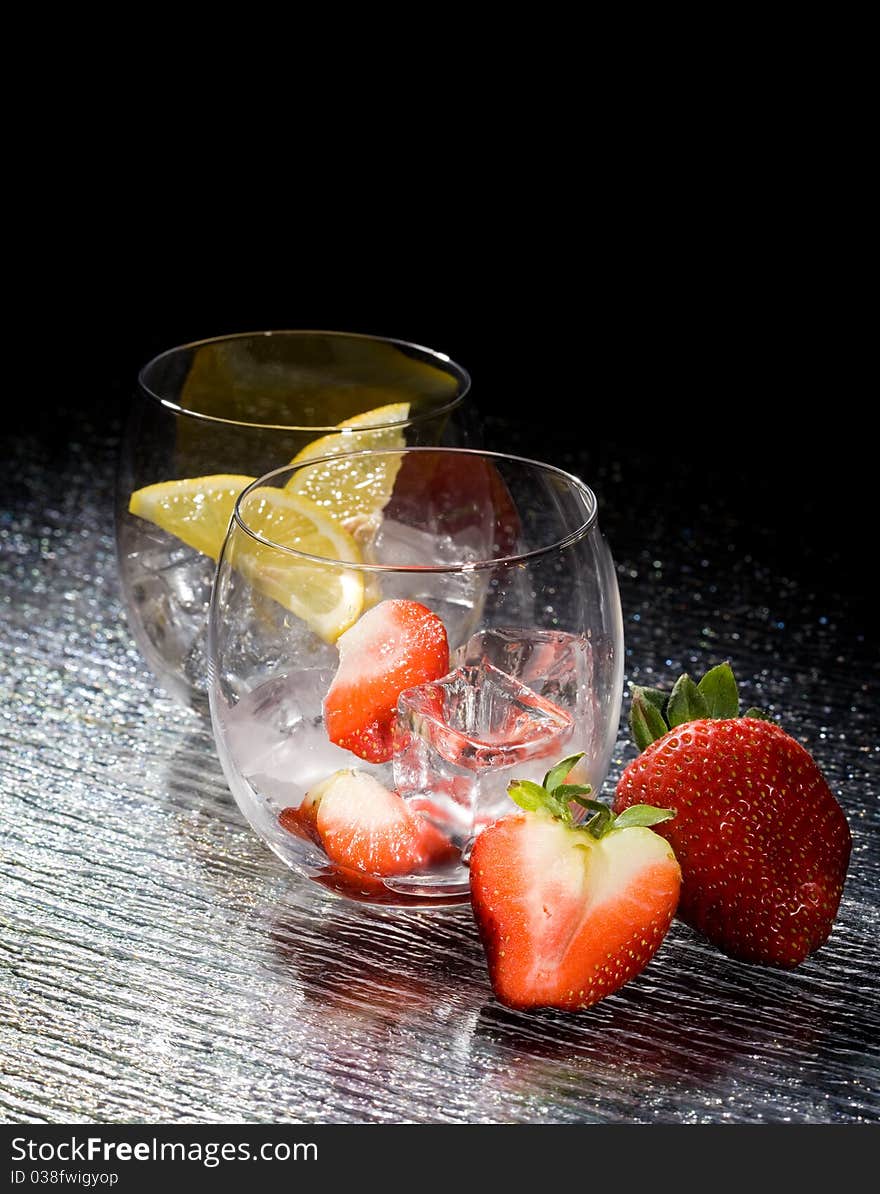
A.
pixel 459 494
pixel 395 645
pixel 302 821
pixel 363 826
pixel 763 844
pixel 569 913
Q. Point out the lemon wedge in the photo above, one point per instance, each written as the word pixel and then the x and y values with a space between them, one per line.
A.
pixel 366 430
pixel 321 512
pixel 353 491
pixel 329 597
pixel 196 510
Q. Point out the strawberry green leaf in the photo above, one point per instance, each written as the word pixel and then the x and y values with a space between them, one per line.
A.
pixel 558 774
pixel 642 814
pixel 718 690
pixel 559 808
pixel 533 798
pixel 759 713
pixel 573 792
pixel 595 806
pixel 686 702
pixel 655 696
pixel 527 795
pixel 603 820
pixel 645 721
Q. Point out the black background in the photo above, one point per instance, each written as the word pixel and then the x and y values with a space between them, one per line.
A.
pixel 710 366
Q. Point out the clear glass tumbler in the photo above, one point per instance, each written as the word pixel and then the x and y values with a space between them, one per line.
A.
pixel 209 417
pixel 394 637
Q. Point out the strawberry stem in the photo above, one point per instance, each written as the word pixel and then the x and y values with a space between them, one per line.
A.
pixel 555 797
pixel 601 822
pixel 653 714
pixel 637 815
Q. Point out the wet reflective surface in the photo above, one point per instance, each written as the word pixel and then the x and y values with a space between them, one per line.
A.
pixel 158 963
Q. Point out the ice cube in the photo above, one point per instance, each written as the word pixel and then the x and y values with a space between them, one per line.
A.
pixel 260 639
pixel 570 670
pixel 460 740
pixel 457 597
pixel 189 582
pixel 276 737
pixel 552 663
pixel 170 587
pixel 170 627
pixel 155 555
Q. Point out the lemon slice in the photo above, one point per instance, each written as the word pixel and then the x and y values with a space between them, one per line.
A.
pixel 197 510
pixel 328 597
pixel 353 491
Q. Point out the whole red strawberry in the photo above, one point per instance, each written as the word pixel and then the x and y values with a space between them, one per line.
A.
pixel 762 843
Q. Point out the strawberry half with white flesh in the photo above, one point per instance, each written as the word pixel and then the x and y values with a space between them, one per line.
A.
pixel 364 826
pixel 569 913
pixel 396 645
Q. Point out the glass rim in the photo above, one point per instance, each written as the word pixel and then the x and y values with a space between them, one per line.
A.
pixel 445 363
pixel 572 537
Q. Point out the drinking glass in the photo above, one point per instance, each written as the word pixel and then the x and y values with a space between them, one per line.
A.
pixel 227 410
pixel 419 733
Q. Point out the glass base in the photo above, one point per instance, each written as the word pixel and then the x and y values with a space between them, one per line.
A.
pixel 423 892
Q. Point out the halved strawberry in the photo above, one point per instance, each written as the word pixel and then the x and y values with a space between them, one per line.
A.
pixel 302 821
pixel 395 645
pixel 568 914
pixel 364 826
